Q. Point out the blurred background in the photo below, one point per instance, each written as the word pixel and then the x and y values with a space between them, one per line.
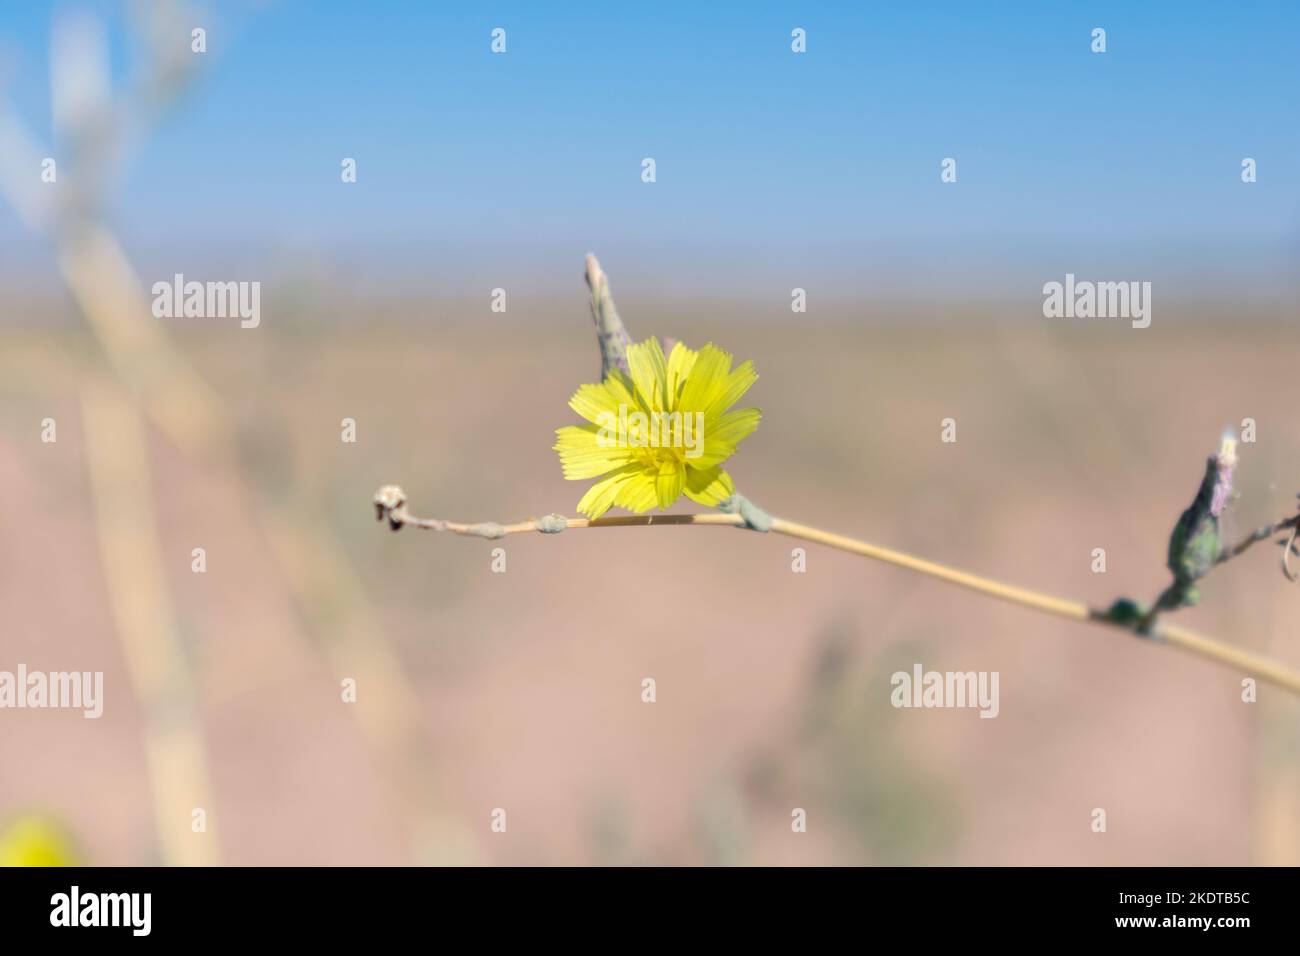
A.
pixel 522 690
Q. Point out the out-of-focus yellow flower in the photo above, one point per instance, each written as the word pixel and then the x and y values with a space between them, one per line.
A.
pixel 661 431
pixel 35 841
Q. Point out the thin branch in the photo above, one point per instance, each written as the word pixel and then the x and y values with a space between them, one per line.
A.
pixel 1265 532
pixel 390 504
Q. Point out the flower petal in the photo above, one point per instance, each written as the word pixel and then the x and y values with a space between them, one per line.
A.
pixel 624 392
pixel 594 400
pixel 649 372
pixel 708 486
pixel 733 388
pixel 583 456
pixel 638 494
pixel 680 362
pixel 732 428
pixel 601 496
pixel 707 379
pixel 669 483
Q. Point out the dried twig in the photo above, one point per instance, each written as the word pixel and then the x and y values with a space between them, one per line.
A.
pixel 390 505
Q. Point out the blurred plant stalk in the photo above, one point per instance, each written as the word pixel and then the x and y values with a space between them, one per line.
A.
pixel 152 382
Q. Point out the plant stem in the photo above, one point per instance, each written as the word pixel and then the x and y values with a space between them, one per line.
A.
pixel 390 503
pixel 1259 534
pixel 1061 607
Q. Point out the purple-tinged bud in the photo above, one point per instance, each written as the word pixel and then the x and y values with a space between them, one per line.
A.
pixel 1225 462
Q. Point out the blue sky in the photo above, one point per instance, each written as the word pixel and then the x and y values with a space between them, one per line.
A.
pixel 763 156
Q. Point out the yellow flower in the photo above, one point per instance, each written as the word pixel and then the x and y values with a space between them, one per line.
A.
pixel 35 841
pixel 663 430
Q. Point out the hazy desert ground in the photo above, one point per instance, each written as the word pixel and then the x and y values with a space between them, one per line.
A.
pixel 481 690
